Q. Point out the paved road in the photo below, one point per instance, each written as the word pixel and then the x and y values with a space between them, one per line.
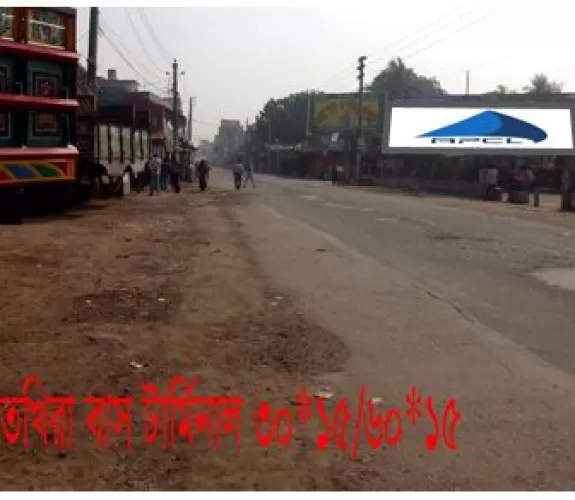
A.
pixel 482 265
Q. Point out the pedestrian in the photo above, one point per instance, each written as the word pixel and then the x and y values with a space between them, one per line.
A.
pixel 533 184
pixel 175 170
pixel 238 173
pixel 203 173
pixel 249 172
pixel 482 176
pixel 155 167
pixel 340 171
pixel 491 181
pixel 164 172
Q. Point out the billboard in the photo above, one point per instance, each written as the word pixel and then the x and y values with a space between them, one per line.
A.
pixel 475 129
pixel 331 113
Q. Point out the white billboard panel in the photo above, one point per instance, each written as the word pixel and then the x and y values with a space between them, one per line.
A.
pixel 480 128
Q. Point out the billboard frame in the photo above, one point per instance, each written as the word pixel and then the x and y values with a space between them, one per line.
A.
pixel 379 128
pixel 386 150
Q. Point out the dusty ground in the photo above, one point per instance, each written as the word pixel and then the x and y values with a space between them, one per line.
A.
pixel 168 283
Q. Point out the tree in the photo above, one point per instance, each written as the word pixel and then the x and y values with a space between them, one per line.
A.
pixel 399 80
pixel 288 117
pixel 541 85
pixel 502 90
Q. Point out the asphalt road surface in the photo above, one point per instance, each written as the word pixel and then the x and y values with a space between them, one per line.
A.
pixel 484 265
pixel 426 295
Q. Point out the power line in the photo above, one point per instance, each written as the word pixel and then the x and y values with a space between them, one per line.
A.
pixel 82 36
pixel 127 61
pixel 153 33
pixel 455 33
pixel 124 48
pixel 135 30
pixel 441 19
pixel 498 60
pixel 423 28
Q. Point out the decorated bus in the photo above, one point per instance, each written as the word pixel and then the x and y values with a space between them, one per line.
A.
pixel 38 64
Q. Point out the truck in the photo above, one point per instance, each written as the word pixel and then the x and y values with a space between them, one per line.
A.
pixel 114 144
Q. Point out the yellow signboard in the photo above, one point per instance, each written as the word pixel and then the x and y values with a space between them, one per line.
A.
pixel 339 113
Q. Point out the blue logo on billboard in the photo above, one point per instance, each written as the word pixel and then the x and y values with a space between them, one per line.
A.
pixel 488 128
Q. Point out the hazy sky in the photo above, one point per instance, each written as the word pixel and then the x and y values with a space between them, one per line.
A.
pixel 235 58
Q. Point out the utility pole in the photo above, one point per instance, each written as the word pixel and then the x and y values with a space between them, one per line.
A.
pixel 93 48
pixel 246 141
pixel 360 68
pixel 269 137
pixel 175 107
pixel 190 115
pixel 467 82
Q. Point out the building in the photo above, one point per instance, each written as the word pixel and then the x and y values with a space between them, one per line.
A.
pixel 229 139
pixel 113 91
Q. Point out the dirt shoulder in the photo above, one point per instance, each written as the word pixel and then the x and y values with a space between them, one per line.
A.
pixel 138 291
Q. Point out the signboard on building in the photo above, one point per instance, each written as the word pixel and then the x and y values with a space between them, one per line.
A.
pixel 476 130
pixel 338 113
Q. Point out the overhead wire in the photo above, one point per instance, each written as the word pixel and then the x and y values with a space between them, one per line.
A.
pixel 498 60
pixel 400 41
pixel 135 30
pixel 455 33
pixel 152 33
pixel 137 62
pixel 439 23
pixel 125 59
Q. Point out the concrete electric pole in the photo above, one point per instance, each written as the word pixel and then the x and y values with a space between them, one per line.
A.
pixel 190 117
pixel 93 48
pixel 467 82
pixel 175 108
pixel 360 77
pixel 269 113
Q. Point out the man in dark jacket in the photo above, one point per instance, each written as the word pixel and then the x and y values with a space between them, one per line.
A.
pixel 175 169
pixel 164 173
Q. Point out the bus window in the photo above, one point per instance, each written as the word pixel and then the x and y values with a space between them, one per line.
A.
pixel 44 129
pixel 7 23
pixel 115 142
pixel 104 145
pixel 138 145
pixel 145 144
pixel 127 145
pixel 47 28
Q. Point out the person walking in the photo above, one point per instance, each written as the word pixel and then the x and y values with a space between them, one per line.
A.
pixel 203 172
pixel 164 173
pixel 491 181
pixel 249 172
pixel 532 180
pixel 175 170
pixel 155 167
pixel 238 173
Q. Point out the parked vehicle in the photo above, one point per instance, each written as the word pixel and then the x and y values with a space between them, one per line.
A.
pixel 38 159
